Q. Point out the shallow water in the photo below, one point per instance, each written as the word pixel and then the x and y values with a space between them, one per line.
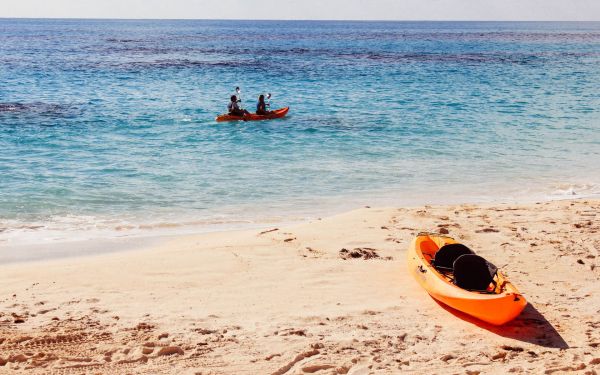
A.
pixel 108 126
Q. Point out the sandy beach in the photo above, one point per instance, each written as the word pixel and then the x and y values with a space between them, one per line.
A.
pixel 285 301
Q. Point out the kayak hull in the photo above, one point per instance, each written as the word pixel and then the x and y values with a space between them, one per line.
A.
pixel 502 305
pixel 278 113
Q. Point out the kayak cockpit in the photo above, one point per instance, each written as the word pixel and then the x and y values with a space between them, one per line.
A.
pixel 458 265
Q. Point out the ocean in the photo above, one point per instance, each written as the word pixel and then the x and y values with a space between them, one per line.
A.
pixel 107 127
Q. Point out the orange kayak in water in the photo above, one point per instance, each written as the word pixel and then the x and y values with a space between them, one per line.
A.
pixel 278 113
pixel 497 303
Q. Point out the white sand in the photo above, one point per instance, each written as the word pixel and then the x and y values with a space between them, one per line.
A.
pixel 286 302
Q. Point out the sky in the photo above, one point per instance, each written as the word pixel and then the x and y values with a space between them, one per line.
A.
pixel 517 10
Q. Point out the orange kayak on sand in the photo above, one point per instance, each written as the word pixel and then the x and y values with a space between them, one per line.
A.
pixel 278 113
pixel 497 303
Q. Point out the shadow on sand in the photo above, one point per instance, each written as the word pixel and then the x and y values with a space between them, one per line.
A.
pixel 530 326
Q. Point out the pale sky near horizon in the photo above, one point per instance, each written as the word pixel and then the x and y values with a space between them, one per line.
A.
pixel 518 10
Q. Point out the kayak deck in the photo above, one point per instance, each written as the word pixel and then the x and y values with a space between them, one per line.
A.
pixel 498 305
pixel 278 113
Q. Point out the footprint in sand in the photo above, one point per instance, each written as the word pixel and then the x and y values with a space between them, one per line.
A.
pixel 170 350
pixel 293 362
pixel 292 332
pixel 144 327
pixel 309 252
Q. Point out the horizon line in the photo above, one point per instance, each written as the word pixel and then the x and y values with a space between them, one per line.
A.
pixel 282 19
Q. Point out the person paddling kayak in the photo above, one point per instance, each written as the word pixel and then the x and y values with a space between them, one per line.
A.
pixel 234 109
pixel 261 106
pixel 237 113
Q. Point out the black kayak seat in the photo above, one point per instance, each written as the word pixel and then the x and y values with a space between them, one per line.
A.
pixel 473 272
pixel 447 254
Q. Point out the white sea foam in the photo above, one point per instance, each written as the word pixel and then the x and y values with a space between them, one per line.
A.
pixel 72 228
pixel 577 190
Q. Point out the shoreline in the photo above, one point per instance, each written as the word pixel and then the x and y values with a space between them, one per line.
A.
pixel 122 235
pixel 286 301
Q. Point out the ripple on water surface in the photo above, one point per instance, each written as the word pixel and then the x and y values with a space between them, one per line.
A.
pixel 108 126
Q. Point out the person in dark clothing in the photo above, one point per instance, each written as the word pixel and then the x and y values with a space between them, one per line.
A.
pixel 234 109
pixel 261 106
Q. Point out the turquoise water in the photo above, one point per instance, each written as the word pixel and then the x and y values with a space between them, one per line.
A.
pixel 108 126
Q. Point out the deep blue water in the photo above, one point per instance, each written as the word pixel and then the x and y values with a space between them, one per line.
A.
pixel 110 124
